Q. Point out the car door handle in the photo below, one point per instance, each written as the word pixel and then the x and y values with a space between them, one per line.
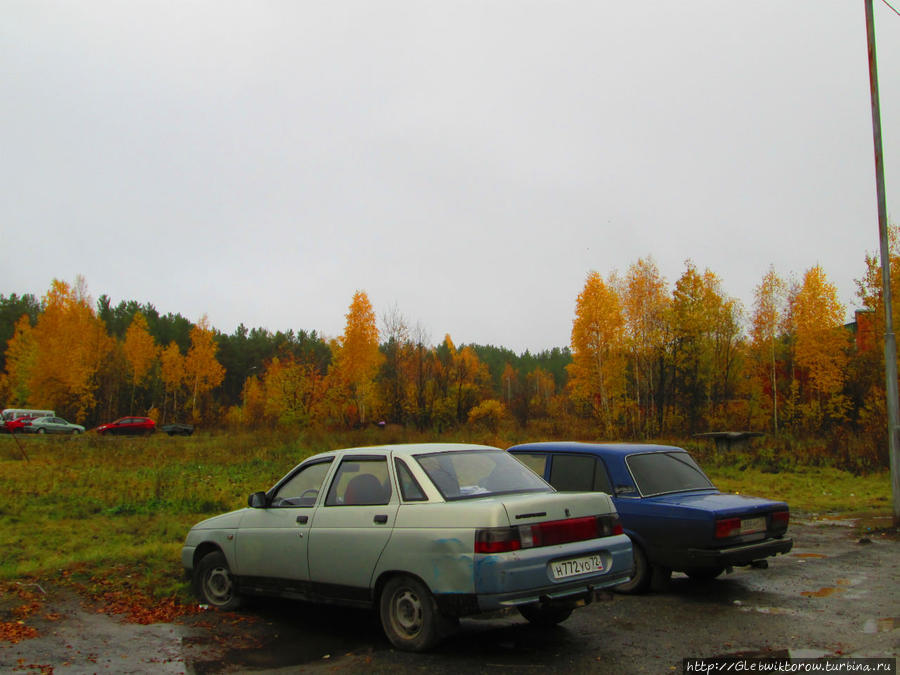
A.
pixel 303 519
pixel 380 519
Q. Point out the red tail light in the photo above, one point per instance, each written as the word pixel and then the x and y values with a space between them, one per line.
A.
pixel 501 539
pixel 497 540
pixel 779 520
pixel 728 527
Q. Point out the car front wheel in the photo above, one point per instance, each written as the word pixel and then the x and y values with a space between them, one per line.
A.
pixel 409 614
pixel 214 583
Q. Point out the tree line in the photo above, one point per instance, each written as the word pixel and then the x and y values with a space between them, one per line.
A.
pixel 644 361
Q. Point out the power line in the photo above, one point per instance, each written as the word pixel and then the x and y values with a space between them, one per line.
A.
pixel 893 9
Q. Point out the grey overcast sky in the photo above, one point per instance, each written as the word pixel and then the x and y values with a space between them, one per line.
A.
pixel 467 162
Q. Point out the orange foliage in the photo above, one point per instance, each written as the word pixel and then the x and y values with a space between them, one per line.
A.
pixel 140 348
pixel 71 346
pixel 598 364
pixel 202 371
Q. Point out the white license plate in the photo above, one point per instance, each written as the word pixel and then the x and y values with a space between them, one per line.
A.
pixel 572 567
pixel 751 525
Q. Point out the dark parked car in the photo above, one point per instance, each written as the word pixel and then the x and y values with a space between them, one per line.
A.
pixel 128 426
pixel 177 429
pixel 675 516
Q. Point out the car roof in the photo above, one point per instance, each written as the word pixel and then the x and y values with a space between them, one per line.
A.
pixel 406 449
pixel 598 448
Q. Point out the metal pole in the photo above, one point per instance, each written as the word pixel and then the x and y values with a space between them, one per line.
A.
pixel 890 342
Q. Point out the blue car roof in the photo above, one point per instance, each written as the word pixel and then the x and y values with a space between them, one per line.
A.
pixel 597 448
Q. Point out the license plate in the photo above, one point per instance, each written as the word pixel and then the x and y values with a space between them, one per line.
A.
pixel 572 567
pixel 751 525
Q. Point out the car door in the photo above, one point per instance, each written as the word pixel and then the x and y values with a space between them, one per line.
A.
pixel 271 543
pixel 352 527
pixel 55 425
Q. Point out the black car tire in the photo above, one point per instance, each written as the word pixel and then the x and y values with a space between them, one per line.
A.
pixel 409 615
pixel 214 584
pixel 704 573
pixel 643 573
pixel 545 615
pixel 75 432
pixel 42 431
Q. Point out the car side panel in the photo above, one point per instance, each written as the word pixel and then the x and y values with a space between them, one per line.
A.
pixel 346 543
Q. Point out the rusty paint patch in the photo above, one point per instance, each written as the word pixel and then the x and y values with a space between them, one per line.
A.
pixel 823 592
pixel 809 555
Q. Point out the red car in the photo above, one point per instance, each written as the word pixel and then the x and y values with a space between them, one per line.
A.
pixel 17 425
pixel 128 426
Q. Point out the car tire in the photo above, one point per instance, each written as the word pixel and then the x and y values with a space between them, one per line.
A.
pixel 409 615
pixel 42 431
pixel 214 584
pixel 545 615
pixel 701 574
pixel 643 573
pixel 75 432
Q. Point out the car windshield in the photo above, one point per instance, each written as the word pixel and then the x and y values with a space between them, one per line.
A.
pixel 479 473
pixel 657 473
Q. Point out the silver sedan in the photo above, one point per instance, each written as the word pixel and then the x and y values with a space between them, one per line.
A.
pixel 423 533
pixel 53 425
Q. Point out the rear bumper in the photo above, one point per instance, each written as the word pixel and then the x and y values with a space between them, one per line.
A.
pixel 737 555
pixel 524 577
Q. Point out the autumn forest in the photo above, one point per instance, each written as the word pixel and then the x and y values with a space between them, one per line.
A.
pixel 646 360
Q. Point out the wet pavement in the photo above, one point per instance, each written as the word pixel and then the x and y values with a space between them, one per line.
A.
pixel 835 594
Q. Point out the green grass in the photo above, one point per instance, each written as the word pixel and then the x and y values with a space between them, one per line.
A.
pixel 117 510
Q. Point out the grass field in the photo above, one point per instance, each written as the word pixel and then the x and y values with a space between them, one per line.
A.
pixel 113 512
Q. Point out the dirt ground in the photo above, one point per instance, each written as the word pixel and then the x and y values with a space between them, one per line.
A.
pixel 835 594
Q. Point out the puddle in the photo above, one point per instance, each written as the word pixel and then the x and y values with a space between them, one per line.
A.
pixel 884 625
pixel 298 635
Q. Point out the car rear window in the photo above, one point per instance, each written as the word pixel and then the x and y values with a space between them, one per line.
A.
pixel 479 473
pixel 657 473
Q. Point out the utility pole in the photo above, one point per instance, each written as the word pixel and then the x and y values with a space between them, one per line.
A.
pixel 890 342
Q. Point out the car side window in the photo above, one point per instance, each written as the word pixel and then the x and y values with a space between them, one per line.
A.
pixel 601 478
pixel 572 473
pixel 303 487
pixel 535 462
pixel 410 490
pixel 360 481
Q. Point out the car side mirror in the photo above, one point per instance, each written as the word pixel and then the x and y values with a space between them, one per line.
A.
pixel 258 500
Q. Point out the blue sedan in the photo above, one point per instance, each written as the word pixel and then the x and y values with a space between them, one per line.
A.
pixel 675 516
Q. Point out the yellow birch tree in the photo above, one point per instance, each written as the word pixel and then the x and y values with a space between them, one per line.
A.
pixel 203 372
pixel 598 365
pixel 72 344
pixel 140 352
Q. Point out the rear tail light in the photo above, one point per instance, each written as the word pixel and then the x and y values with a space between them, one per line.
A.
pixel 779 520
pixel 502 539
pixel 728 527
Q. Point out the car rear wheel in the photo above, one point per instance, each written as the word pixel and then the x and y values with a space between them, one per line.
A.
pixel 409 614
pixel 214 584
pixel 643 573
pixel 545 615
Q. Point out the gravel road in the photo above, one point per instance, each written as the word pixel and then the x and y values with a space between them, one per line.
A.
pixel 835 594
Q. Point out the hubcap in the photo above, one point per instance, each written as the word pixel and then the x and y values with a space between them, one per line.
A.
pixel 218 586
pixel 408 611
